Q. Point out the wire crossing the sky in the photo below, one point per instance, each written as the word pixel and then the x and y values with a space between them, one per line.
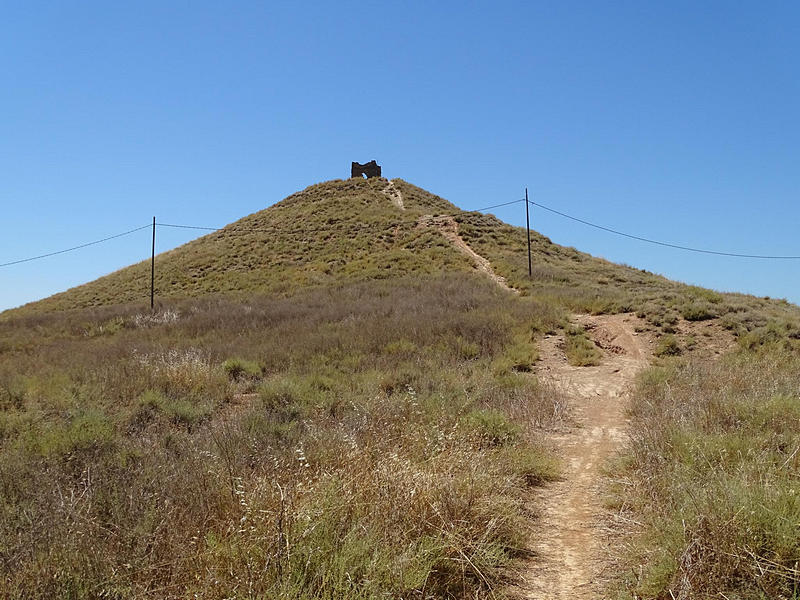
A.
pixel 498 205
pixel 105 239
pixel 531 202
pixel 667 244
pixel 215 228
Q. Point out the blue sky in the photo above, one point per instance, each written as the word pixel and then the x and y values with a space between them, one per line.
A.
pixel 676 121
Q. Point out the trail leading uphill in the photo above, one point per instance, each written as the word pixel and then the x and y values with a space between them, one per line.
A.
pixel 568 541
pixel 394 194
pixel 448 227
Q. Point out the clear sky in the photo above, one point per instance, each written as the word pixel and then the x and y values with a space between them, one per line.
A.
pixel 676 121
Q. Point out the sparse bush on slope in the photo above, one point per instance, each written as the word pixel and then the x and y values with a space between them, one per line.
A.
pixel 340 231
pixel 668 346
pixel 346 231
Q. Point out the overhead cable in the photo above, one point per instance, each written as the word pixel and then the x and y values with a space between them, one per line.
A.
pixel 667 244
pixel 111 237
pixel 498 205
pixel 227 227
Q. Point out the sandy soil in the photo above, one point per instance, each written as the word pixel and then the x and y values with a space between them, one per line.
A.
pixel 568 541
pixel 394 195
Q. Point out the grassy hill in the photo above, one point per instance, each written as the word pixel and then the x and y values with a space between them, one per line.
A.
pixel 333 401
pixel 346 231
pixel 339 231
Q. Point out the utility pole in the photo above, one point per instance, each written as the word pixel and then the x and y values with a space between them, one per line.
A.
pixel 527 224
pixel 153 268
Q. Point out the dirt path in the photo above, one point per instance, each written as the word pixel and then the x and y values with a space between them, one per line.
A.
pixel 394 195
pixel 568 541
pixel 448 227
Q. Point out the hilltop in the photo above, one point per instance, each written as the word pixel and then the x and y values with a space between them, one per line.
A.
pixel 347 231
pixel 329 233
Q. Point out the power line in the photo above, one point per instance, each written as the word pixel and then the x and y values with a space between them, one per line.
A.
pixel 659 243
pixel 111 237
pixel 498 205
pixel 542 206
pixel 215 228
pixel 187 227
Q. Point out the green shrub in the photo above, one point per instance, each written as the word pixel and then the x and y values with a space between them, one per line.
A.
pixel 491 427
pixel 667 346
pixel 579 349
pixel 85 431
pixel 466 349
pixel 521 355
pixel 400 347
pixel 771 334
pixel 705 294
pixel 182 411
pixel 239 368
pixel 152 400
pixel 534 465
pixel 698 312
pixel 186 412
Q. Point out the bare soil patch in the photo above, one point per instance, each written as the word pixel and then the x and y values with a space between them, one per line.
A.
pixel 705 339
pixel 569 541
pixel 395 195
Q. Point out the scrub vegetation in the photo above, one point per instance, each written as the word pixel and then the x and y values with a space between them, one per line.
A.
pixel 713 478
pixel 346 231
pixel 332 402
pixel 359 442
pixel 579 349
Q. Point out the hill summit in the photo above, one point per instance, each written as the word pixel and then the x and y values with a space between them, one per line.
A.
pixel 346 231
pixel 337 231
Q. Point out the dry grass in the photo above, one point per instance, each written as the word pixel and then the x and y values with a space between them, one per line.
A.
pixel 713 478
pixel 370 441
pixel 585 284
pixel 346 231
pixel 333 232
pixel 338 407
pixel 579 349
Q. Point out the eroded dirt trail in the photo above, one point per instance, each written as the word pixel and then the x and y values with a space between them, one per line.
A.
pixel 394 194
pixel 448 227
pixel 569 541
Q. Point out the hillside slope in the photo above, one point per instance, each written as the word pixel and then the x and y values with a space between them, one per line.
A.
pixel 328 233
pixel 346 231
pixel 360 393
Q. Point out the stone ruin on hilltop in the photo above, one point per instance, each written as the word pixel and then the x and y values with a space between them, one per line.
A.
pixel 370 169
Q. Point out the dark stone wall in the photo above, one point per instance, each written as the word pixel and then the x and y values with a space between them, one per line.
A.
pixel 370 169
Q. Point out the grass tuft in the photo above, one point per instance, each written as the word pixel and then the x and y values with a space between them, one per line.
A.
pixel 579 349
pixel 667 346
pixel 372 453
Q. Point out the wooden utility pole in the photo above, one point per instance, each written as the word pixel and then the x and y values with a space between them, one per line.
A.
pixel 153 268
pixel 528 225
